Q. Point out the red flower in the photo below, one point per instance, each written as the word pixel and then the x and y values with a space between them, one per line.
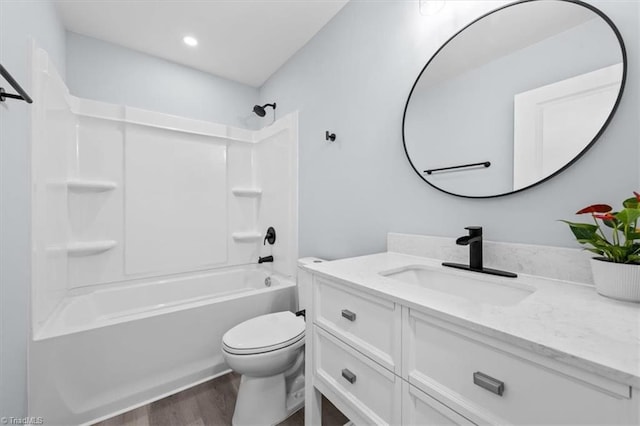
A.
pixel 606 216
pixel 596 208
pixel 637 195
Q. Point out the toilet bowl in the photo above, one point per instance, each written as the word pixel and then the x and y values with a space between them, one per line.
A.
pixel 269 353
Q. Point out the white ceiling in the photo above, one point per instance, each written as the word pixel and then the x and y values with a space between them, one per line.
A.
pixel 242 40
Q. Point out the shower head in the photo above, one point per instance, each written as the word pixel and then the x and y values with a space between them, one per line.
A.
pixel 259 110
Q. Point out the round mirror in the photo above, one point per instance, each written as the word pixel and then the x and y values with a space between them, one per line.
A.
pixel 514 98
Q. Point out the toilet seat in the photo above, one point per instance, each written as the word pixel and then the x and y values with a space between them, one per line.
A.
pixel 265 333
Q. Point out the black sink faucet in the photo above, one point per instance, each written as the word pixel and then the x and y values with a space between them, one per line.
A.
pixel 474 241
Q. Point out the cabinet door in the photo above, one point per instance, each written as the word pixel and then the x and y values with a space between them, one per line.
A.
pixel 419 409
pixel 491 382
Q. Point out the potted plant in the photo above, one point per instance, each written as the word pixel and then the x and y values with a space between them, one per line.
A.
pixel 616 270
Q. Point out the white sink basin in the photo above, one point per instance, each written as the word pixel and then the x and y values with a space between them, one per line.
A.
pixel 474 286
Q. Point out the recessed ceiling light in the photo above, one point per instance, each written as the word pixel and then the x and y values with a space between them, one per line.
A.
pixel 190 41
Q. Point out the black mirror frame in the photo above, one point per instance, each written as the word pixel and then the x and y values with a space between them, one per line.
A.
pixel 581 153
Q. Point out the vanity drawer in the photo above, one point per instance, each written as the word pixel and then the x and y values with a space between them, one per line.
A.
pixel 370 324
pixel 444 361
pixel 373 392
pixel 418 408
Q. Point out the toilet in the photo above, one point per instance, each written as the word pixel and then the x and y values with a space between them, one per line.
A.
pixel 268 351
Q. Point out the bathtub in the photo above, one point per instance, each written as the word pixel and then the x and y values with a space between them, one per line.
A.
pixel 114 349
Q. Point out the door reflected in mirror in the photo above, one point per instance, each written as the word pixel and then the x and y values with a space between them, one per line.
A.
pixel 514 98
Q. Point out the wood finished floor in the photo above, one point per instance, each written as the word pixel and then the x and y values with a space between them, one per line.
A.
pixel 209 404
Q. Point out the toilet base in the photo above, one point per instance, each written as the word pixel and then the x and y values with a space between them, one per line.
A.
pixel 265 401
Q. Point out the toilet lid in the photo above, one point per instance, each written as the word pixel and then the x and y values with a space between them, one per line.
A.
pixel 264 333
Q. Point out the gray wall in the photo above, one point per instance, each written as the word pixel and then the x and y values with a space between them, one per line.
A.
pixel 353 78
pixel 111 73
pixel 18 21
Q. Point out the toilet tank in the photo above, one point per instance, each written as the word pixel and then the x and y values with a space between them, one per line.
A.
pixel 304 282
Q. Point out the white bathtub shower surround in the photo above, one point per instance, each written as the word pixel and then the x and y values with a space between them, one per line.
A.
pixel 146 232
pixel 122 193
pixel 124 347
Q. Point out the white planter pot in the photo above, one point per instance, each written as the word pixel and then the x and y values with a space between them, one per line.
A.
pixel 616 280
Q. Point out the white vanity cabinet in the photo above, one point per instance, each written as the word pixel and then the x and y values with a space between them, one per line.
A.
pixel 383 362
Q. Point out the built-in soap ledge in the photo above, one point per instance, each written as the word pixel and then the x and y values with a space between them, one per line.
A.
pixel 86 185
pixel 246 192
pixel 88 248
pixel 246 237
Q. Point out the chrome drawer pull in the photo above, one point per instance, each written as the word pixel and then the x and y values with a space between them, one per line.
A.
pixel 351 316
pixel 488 383
pixel 349 376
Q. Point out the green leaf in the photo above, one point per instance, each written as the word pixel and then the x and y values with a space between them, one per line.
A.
pixel 613 224
pixel 598 238
pixel 582 231
pixel 631 203
pixel 618 252
pixel 632 236
pixel 628 215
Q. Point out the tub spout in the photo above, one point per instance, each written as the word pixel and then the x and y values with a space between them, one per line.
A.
pixel 265 259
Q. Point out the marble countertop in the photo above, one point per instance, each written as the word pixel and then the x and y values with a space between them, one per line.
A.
pixel 566 321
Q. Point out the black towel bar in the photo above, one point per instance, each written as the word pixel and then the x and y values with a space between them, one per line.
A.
pixel 22 95
pixel 483 163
